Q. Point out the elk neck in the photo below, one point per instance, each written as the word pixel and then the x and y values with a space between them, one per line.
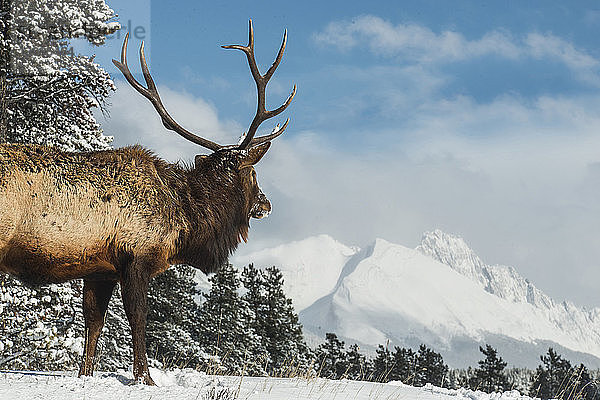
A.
pixel 214 207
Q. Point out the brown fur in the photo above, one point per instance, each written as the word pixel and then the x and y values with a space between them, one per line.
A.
pixel 121 215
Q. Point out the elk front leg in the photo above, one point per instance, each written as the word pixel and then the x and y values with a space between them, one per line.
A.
pixel 134 287
pixel 96 296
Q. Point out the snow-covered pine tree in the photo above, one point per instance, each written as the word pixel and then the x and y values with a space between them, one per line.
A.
pixel 253 283
pixel 224 328
pixel 489 376
pixel 520 379
pixel 430 368
pixel 50 91
pixel 172 318
pixel 5 6
pixel 551 377
pixel 41 328
pixel 332 362
pixel 459 378
pixel 275 321
pixel 254 296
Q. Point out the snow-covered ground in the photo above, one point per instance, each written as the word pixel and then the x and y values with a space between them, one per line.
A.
pixel 190 384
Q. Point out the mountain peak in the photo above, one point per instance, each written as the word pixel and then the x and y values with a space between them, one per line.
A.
pixel 499 280
pixel 379 245
pixel 453 251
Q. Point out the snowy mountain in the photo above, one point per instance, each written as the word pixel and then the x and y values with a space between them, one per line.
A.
pixel 310 267
pixel 502 281
pixel 440 294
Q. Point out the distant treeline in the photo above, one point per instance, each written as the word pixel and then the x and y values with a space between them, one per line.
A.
pixel 554 378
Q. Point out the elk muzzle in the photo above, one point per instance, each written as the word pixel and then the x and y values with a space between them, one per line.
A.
pixel 261 208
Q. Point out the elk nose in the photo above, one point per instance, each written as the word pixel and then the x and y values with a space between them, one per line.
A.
pixel 267 207
pixel 262 208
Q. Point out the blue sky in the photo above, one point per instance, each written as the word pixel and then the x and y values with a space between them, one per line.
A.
pixel 478 118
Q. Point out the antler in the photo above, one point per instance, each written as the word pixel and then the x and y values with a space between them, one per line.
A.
pixel 151 93
pixel 261 84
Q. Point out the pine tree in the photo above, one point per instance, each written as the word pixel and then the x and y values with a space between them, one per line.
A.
pixel 359 368
pixel 382 364
pixel 49 92
pixel 489 375
pixel 281 330
pixel 332 362
pixel 253 282
pixel 430 368
pixel 520 379
pixel 582 385
pixel 404 367
pixel 224 328
pixel 171 318
pixel 552 376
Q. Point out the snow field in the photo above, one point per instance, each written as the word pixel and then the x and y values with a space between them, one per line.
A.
pixel 190 384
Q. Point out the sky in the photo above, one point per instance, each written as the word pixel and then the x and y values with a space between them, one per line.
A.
pixel 478 118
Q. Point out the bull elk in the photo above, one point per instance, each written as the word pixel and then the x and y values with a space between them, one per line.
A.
pixel 124 216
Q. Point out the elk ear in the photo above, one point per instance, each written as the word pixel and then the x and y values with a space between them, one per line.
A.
pixel 254 155
pixel 199 158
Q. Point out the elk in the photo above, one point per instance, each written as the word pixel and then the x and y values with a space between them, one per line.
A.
pixel 124 216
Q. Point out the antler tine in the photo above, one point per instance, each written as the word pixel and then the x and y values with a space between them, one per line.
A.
pixel 124 68
pixel 249 50
pixel 275 64
pixel 261 83
pixel 151 93
pixel 267 138
pixel 281 108
pixel 146 71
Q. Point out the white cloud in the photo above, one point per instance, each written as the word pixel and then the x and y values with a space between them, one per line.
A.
pixel 420 44
pixel 549 46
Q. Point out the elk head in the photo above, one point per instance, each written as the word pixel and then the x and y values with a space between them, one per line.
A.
pixel 250 149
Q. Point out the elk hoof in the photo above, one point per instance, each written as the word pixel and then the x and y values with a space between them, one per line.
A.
pixel 148 381
pixel 144 379
pixel 83 371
